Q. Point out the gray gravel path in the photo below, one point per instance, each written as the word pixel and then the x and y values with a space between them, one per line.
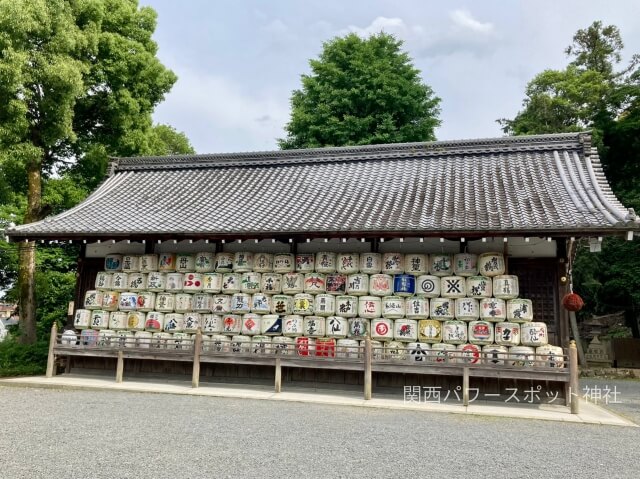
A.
pixel 48 433
pixel 623 397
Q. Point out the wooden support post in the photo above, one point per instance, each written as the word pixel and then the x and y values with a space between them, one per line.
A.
pixel 367 368
pixel 120 367
pixel 576 334
pixel 465 386
pixel 574 384
pixel 51 359
pixel 197 349
pixel 278 385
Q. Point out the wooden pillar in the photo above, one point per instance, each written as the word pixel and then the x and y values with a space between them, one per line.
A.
pixel 278 385
pixel 367 368
pixel 574 383
pixel 51 359
pixel 465 386
pixel 120 367
pixel 197 349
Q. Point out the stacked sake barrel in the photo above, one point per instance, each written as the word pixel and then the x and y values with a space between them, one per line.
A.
pixel 413 306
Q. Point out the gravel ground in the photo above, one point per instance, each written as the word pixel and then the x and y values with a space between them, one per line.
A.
pixel 623 398
pixel 48 433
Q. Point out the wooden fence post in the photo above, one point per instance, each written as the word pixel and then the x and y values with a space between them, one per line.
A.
pixel 367 368
pixel 574 383
pixel 51 359
pixel 278 385
pixel 465 386
pixel 197 348
pixel 120 367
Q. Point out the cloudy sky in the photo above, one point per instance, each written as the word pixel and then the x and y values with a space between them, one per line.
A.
pixel 238 61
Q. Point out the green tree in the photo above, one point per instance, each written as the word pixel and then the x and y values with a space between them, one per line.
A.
pixel 361 91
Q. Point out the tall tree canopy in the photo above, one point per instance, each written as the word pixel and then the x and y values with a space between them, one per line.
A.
pixel 361 91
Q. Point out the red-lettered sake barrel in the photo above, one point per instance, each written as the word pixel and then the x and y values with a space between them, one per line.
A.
pixel 405 330
pixel 382 329
pixel 481 332
pixel 305 262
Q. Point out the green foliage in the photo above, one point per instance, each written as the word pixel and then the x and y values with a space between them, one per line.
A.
pixel 361 91
pixel 165 140
pixel 23 359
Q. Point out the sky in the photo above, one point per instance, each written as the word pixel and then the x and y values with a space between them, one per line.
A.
pixel 238 61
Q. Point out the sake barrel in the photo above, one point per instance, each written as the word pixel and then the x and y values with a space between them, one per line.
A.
pixel 453 287
pixel 505 286
pixel 110 300
pixel 368 306
pixel 305 262
pixel 180 341
pixel 284 263
pixel 242 261
pixel 465 264
pixel 534 334
pixel 337 327
pixel 507 334
pixel 303 304
pixel 220 343
pixel 82 318
pixel 263 262
pixel 250 282
pixel 314 326
pixel 358 284
pixel 117 321
pixel 494 354
pixel 519 310
pixel 231 324
pixel 137 281
pixel 271 283
pixel 212 282
pixel 382 329
pixel 419 352
pixel 393 307
pixel 417 308
pixel 442 352
pixel 271 325
pixel 93 299
pixel 392 263
pixel 428 286
pixel 292 283
pixel 404 285
pixel 69 338
pixel 416 264
pixel 442 308
pixel 146 301
pixel 223 262
pixel 156 281
pixel 231 283
pixel 493 309
pixel 136 320
pixel 154 321
pixel 467 309
pixel 305 346
pixel 347 263
pixel 479 287
pixel 430 330
pixel 347 348
pixel 326 347
pixel 211 323
pixel 143 339
pixel 480 332
pixel 130 263
pixel 292 325
pixel 185 263
pixel 128 301
pixel 103 280
pixel 260 303
pixel 550 356
pixel 221 303
pixel 405 330
pixel 148 263
pixel 174 322
pixel 101 319
pixel 113 262
pixel 283 345
pixel 395 350
pixel 325 304
pixel 377 348
pixel 250 324
pixel 167 262
pixel 165 302
pixel 381 284
pixel 325 262
pixel 370 263
pixel 261 344
pixel 125 339
pixel 358 328
pixel 315 283
pixel 491 264
pixel 106 338
pixel 521 356
pixel 184 302
pixel 347 306
pixel 174 282
pixel 336 283
pixel 281 304
pixel 241 303
pixel 192 282
pixel 440 264
pixel 161 340
pixel 468 354
pixel 454 332
pixel 202 302
pixel 192 322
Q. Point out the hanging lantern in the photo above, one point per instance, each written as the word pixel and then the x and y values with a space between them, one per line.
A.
pixel 572 302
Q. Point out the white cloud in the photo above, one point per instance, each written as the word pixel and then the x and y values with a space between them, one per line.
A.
pixel 464 20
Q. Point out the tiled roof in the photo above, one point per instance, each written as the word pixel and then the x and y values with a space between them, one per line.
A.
pixel 511 185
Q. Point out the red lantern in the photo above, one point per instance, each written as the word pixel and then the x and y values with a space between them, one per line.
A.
pixel 572 302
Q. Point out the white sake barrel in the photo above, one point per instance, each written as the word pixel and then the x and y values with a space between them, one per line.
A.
pixel 283 345
pixel 128 301
pixel 442 308
pixel 82 318
pixel 192 321
pixel 325 262
pixel 358 328
pixel 395 350
pixel 337 327
pixel 521 356
pixel 161 340
pixel 185 263
pixel 505 286
pixel 212 323
pixel 493 309
pixel 261 344
pixel 101 319
pixel 192 282
pixel 479 287
pixel 156 281
pixel 347 263
pixel 326 347
pixel 263 262
pixel 404 285
pixel 154 321
pixel 336 283
pixel 137 281
pixel 305 262
pixel 271 283
pixel 241 303
pixel 250 324
pixel 442 352
pixel 325 304
pixel 205 262
pixel 315 283
pixel 494 354
pixel 393 307
pixel 146 301
pixel 130 263
pixel 223 262
pixel 519 310
pixel 416 264
pixel 491 264
pixel 347 348
pixel 271 325
pixel 465 264
pixel 405 330
pixel 220 343
pixel 382 329
pixel 481 332
pixel 281 304
pixel 113 262
pixel 106 338
pixel 69 338
pixel 467 309
pixel 110 300
pixel 136 320
pixel 212 282
pixel 167 262
pixel 103 280
pixel 231 324
pixel 419 352
pixel 292 283
pixel 468 354
pixel 392 263
pixel 507 334
pixel 117 321
pixel 250 282
pixel 148 263
pixel 381 284
pixel 93 299
pixel 173 322
pixel 165 302
pixel 242 261
pixel 292 325
pixel 202 302
pixel 377 348
pixel 125 339
pixel 143 339
pixel 284 263
pixel 358 284
pixel 428 286
pixel 370 263
pixel 180 341
pixel 231 283
pixel 174 282
pixel 347 306
pixel 417 308
pixel 303 304
pixel 184 302
pixel 454 332
pixel 453 287
pixel 440 264
pixel 534 334
pixel 368 306
pixel 305 346
pixel 260 303
pixel 550 356
pixel 314 326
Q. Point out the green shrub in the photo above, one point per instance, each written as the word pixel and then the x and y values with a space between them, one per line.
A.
pixel 23 359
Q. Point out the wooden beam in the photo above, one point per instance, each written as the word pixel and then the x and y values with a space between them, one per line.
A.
pixel 465 386
pixel 51 358
pixel 367 368
pixel 119 367
pixel 278 382
pixel 575 384
pixel 197 349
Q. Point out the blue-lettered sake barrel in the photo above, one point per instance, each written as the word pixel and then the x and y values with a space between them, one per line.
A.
pixel 404 285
